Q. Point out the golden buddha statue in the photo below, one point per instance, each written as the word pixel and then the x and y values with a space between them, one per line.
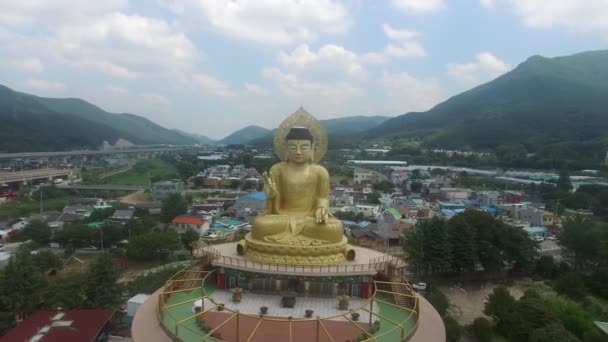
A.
pixel 297 226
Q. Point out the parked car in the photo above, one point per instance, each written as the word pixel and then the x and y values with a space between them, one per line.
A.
pixel 551 238
pixel 419 286
pixel 539 238
pixel 90 248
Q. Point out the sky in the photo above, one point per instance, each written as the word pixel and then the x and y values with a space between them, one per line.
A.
pixel 214 66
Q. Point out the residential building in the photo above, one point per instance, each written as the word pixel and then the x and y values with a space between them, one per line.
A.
pixel 527 213
pixel 536 232
pixel 367 210
pixel 486 198
pixel 511 196
pixel 366 176
pixel 185 222
pixel 153 208
pixel 392 223
pixel 398 176
pixel 249 204
pixel 59 326
pixel 455 193
pixel 162 190
pixel 213 208
pixel 121 216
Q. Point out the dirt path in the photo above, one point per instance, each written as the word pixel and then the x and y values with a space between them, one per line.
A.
pixel 136 197
pixel 468 303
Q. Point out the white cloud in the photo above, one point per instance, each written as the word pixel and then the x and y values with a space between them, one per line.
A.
pixel 418 6
pixel 269 22
pixel 256 89
pixel 489 4
pixel 126 46
pixel 333 96
pixel 28 65
pixel 405 93
pixel 211 85
pixel 44 86
pixel 399 34
pixel 22 13
pixel 411 49
pixel 95 36
pixel 116 89
pixel 155 99
pixel 485 68
pixel 329 62
pixel 404 44
pixel 576 15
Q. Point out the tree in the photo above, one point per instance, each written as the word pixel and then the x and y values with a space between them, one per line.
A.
pixel 173 206
pixel 416 174
pixel 373 198
pixel 438 299
pixel 144 246
pixel 101 288
pixel 20 289
pixel 416 187
pixel 462 241
pixel 77 235
pixel 37 231
pixel 46 260
pixel 98 215
pixel 578 239
pixel 482 329
pixel 563 182
pixel 66 291
pixel 552 333
pixel 571 285
pixel 235 184
pixel 436 245
pixel 112 234
pixel 501 307
pixel 188 237
pixel 453 331
pixel 546 267
pixel 384 186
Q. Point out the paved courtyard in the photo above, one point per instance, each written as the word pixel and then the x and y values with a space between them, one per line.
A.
pixel 322 307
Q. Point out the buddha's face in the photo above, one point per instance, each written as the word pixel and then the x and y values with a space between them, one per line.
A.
pixel 299 151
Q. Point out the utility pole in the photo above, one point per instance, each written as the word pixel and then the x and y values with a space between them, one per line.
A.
pixel 101 235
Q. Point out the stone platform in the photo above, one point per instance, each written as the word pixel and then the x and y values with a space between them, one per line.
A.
pixel 367 262
pixel 323 307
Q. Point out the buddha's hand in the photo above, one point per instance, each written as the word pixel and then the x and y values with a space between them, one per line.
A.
pixel 321 215
pixel 270 187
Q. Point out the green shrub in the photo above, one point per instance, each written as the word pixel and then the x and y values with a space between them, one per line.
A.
pixel 482 329
pixel 453 330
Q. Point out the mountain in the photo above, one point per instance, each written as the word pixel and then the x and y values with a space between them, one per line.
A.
pixel 340 130
pixel 544 103
pixel 33 123
pixel 201 139
pixel 245 135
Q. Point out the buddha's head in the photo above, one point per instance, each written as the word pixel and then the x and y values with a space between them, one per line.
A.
pixel 300 145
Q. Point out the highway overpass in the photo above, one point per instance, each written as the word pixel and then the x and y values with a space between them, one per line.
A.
pixel 101 187
pixel 39 174
pixel 93 152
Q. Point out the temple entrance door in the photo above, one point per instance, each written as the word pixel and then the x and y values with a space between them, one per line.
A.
pixel 231 282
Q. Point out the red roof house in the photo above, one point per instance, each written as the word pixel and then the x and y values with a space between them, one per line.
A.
pixel 185 222
pixel 53 326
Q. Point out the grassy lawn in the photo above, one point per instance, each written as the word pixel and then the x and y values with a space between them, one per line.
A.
pixel 138 175
pixel 15 209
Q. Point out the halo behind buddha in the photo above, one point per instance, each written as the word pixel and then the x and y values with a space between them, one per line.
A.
pixel 301 118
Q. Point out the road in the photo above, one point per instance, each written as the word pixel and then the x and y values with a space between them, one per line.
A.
pixel 550 247
pixel 7 177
